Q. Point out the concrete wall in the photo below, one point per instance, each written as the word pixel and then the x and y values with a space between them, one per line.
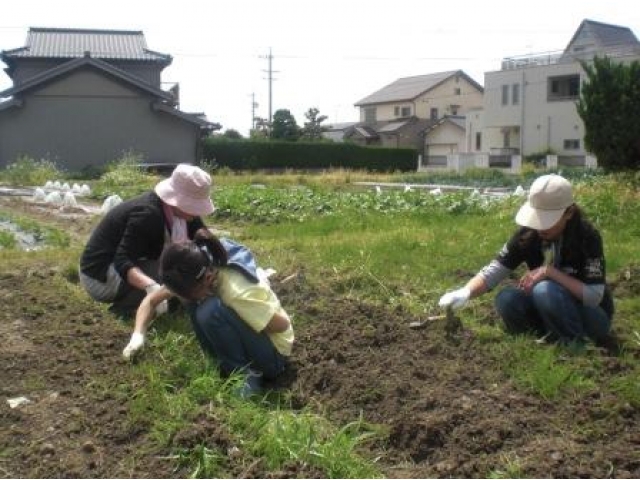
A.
pixel 88 119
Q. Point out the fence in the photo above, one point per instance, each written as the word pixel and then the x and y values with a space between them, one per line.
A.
pixel 513 163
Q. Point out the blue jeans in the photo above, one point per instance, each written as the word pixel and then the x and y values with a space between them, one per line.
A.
pixel 235 345
pixel 551 309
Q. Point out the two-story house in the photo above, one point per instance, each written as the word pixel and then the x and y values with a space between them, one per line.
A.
pixel 530 104
pixel 83 98
pixel 403 113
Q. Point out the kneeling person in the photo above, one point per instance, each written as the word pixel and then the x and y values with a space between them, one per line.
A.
pixel 237 318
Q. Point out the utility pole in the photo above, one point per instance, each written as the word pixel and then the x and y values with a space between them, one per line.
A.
pixel 270 79
pixel 254 105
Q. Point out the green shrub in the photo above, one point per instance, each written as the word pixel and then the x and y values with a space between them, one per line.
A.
pixel 280 155
pixel 29 172
pixel 124 177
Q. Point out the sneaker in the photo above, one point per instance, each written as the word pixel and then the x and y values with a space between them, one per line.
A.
pixel 252 384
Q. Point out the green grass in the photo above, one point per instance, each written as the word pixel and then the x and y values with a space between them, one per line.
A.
pixel 7 240
pixel 49 236
pixel 548 371
pixel 393 248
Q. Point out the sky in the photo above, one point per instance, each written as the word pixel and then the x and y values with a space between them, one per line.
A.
pixel 326 54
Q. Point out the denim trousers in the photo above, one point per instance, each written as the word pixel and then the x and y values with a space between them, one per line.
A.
pixel 234 344
pixel 551 309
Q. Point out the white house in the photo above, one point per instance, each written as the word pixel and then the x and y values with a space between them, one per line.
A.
pixel 530 104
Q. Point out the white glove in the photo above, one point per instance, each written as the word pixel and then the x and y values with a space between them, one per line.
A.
pixel 163 306
pixel 135 344
pixel 456 299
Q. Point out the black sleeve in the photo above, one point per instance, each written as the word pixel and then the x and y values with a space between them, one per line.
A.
pixel 593 269
pixel 193 226
pixel 143 237
pixel 523 246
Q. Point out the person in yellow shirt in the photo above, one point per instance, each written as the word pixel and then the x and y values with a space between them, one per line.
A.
pixel 236 316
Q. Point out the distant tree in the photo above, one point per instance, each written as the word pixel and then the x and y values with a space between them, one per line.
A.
pixel 261 129
pixel 232 134
pixel 284 126
pixel 609 104
pixel 313 128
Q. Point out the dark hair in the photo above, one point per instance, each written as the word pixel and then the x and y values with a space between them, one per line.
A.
pixel 183 265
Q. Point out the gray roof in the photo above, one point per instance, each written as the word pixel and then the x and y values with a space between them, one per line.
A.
pixel 56 72
pixel 73 43
pixel 604 38
pixel 163 101
pixel 456 120
pixel 340 126
pixel 392 127
pixel 409 88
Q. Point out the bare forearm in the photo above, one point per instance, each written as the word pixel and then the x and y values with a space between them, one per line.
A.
pixel 138 279
pixel 572 284
pixel 147 310
pixel 476 286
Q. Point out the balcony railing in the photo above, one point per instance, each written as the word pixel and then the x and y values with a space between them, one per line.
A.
pixel 535 59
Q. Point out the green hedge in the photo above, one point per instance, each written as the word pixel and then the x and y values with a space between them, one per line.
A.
pixel 258 155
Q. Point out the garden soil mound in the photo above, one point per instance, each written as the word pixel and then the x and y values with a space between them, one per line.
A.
pixel 443 406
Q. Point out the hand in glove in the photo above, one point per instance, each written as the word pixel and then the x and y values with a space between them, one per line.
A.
pixel 163 306
pixel 456 299
pixel 135 345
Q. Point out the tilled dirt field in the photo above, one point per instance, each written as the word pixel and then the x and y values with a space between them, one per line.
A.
pixel 447 409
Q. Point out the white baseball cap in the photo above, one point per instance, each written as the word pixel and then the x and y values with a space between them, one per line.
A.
pixel 549 197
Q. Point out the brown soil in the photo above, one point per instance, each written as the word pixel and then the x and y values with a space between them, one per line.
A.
pixel 445 407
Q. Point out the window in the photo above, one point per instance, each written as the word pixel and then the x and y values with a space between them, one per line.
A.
pixel 402 111
pixel 515 94
pixel 563 88
pixel 456 91
pixel 506 138
pixel 370 115
pixel 571 144
pixel 505 94
pixel 478 140
pixel 434 114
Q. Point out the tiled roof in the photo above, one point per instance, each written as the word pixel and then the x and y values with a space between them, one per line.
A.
pixel 608 35
pixel 408 88
pixel 392 127
pixel 603 39
pixel 457 120
pixel 73 43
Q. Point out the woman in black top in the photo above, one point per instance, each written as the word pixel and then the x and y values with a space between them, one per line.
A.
pixel 119 264
pixel 563 295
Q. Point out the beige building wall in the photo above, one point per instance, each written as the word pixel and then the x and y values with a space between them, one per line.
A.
pixel 445 140
pixel 453 91
pixel 537 122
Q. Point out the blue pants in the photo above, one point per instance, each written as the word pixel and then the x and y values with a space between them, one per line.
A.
pixel 235 345
pixel 551 308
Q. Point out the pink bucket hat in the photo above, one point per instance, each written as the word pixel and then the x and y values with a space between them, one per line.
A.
pixel 189 189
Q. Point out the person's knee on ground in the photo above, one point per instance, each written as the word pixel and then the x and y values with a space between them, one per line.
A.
pixel 212 326
pixel 514 308
pixel 559 311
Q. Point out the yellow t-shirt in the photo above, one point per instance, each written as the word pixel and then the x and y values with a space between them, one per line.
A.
pixel 255 303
